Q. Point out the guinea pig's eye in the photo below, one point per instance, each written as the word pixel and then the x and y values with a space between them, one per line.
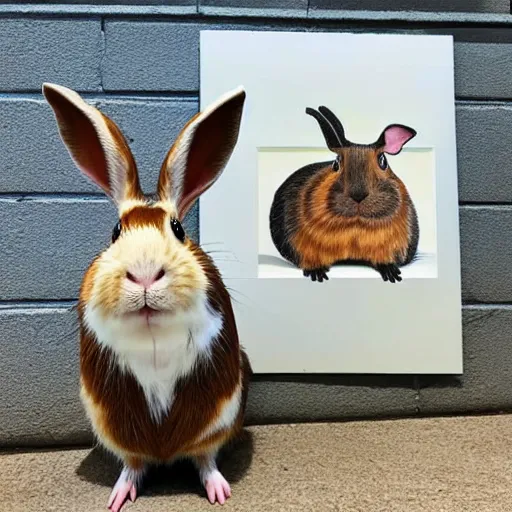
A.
pixel 178 230
pixel 336 163
pixel 383 163
pixel 116 232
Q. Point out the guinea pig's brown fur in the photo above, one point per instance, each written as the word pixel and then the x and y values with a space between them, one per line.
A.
pixel 329 230
pixel 350 210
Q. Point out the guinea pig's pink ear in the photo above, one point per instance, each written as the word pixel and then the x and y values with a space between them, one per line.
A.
pixel 201 151
pixel 95 144
pixel 394 137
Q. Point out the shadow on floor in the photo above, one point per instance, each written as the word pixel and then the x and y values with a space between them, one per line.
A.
pixel 100 468
pixel 268 259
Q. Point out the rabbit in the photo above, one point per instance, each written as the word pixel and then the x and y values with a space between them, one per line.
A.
pixel 352 209
pixel 162 372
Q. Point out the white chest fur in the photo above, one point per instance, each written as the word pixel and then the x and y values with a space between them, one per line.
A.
pixel 158 353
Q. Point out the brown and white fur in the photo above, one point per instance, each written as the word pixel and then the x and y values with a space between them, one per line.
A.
pixel 162 373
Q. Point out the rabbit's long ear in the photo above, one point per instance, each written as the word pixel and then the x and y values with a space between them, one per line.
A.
pixel 95 143
pixel 201 151
pixel 393 138
pixel 332 139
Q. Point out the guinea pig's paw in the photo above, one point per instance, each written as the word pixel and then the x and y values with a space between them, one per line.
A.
pixel 389 272
pixel 217 487
pixel 317 274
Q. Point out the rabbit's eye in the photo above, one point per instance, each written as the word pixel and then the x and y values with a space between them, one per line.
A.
pixel 178 230
pixel 383 163
pixel 116 232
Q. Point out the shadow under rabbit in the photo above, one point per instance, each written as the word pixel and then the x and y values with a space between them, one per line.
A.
pixel 101 468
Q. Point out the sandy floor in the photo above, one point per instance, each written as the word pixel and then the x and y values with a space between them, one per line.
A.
pixel 455 464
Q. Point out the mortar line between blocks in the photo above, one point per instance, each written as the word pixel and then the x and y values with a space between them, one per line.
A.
pixel 417 398
pixel 103 51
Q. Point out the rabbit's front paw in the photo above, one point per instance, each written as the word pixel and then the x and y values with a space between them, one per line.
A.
pixel 389 272
pixel 317 274
pixel 124 489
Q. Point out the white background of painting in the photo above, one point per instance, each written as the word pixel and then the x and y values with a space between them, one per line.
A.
pixel 349 325
pixel 414 167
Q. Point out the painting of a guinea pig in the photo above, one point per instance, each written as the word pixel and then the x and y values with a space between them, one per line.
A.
pixel 352 209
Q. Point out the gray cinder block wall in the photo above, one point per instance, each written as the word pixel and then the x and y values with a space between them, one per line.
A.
pixel 141 66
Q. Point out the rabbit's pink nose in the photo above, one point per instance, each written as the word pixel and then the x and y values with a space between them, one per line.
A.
pixel 145 280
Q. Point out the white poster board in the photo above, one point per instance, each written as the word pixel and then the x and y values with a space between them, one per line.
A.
pixel 355 322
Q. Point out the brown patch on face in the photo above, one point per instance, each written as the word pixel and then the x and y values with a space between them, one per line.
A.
pixel 141 216
pixel 107 295
pixel 88 282
pixel 125 420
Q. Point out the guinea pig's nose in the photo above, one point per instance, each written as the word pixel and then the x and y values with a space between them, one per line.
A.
pixel 145 280
pixel 359 195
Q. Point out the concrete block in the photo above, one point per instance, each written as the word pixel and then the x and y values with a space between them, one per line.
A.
pixel 483 70
pixel 487 6
pixel 35 159
pixel 267 8
pixel 486 244
pixel 487 380
pixel 171 49
pixel 66 51
pixel 151 56
pixel 284 399
pixel 49 242
pixel 484 139
pixel 178 3
pixel 39 403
